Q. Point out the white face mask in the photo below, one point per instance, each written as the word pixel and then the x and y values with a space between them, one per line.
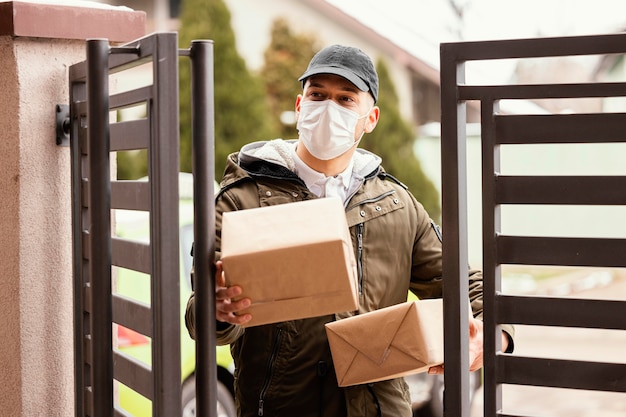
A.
pixel 326 129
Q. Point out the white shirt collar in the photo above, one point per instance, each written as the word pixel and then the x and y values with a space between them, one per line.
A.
pixel 321 185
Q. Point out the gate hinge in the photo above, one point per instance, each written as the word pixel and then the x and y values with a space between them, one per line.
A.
pixel 63 124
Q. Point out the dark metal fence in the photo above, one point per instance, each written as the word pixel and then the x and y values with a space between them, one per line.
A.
pixel 97 308
pixel 498 190
pixel 94 194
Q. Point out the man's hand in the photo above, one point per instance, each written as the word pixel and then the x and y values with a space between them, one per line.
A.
pixel 475 344
pixel 475 347
pixel 225 308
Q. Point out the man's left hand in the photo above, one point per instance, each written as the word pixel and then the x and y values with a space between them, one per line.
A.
pixel 475 347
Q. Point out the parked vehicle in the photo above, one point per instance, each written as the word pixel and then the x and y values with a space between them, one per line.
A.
pixel 135 225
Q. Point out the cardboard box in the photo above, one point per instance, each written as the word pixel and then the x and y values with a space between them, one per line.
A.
pixel 388 343
pixel 292 260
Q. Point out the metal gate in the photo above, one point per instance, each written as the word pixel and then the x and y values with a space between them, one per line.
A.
pixel 498 130
pixel 94 136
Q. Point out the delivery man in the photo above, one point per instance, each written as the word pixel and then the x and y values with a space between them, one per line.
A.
pixel 286 369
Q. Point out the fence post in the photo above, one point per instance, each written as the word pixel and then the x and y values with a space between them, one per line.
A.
pixel 203 161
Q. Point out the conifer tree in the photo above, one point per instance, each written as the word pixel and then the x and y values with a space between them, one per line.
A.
pixel 393 141
pixel 286 58
pixel 132 165
pixel 241 110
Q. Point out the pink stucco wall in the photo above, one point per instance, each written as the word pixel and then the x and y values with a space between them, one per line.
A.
pixel 38 43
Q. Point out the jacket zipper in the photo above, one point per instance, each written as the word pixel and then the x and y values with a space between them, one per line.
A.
pixel 268 374
pixel 371 200
pixel 359 255
pixel 359 237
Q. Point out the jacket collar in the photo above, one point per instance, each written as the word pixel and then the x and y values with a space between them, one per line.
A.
pixel 279 152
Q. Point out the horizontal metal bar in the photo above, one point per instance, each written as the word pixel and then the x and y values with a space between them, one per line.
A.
pixel 557 373
pixel 88 400
pixel 563 312
pixel 131 98
pixel 80 107
pixel 144 48
pixel 513 415
pixel 84 192
pixel 86 242
pixel 79 111
pixel 125 50
pixel 135 374
pixel 588 190
pixel 131 254
pixel 539 91
pixel 132 314
pixel 525 250
pixel 120 412
pixel 560 128
pixel 83 143
pixel 130 135
pixel 87 297
pixel 125 195
pixel 535 47
pixel 87 341
pixel 130 195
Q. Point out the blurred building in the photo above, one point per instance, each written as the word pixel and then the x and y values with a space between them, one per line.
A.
pixel 406 35
pixel 414 69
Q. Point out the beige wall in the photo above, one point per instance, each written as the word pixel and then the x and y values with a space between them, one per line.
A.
pixel 35 268
pixel 10 355
pixel 36 353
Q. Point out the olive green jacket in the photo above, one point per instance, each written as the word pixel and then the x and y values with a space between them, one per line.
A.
pixel 285 369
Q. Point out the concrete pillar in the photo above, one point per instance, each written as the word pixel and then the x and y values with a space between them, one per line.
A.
pixel 38 44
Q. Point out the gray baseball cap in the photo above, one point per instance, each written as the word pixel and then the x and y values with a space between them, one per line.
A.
pixel 348 62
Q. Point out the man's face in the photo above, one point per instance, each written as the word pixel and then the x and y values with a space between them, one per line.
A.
pixel 333 87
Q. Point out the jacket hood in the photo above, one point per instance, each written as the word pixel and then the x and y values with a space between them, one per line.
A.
pixel 280 152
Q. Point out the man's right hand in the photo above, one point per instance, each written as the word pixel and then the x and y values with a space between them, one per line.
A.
pixel 226 310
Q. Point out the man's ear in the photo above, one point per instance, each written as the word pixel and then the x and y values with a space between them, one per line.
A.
pixel 372 119
pixel 297 106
